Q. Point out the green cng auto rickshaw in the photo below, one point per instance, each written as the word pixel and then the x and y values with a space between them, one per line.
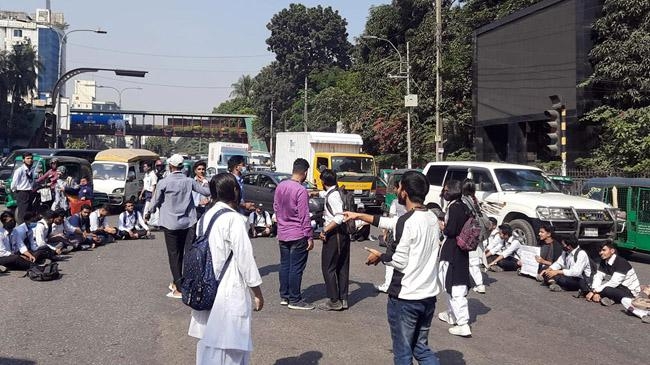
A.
pixel 631 196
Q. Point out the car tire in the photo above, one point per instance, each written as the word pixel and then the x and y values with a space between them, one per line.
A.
pixel 524 231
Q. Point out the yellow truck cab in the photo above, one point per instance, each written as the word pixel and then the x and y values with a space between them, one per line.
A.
pixel 355 172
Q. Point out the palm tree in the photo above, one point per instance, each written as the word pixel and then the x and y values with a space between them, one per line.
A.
pixel 243 88
pixel 19 75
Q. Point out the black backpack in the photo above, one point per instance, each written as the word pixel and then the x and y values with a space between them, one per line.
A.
pixel 347 197
pixel 199 288
pixel 45 272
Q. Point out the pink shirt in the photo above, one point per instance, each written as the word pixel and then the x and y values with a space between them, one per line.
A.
pixel 291 206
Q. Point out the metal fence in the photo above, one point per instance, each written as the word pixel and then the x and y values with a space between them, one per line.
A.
pixel 580 176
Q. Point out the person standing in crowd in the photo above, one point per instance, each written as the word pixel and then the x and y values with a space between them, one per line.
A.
pixel 571 271
pixel 131 224
pixel 12 260
pixel 225 331
pixel 477 256
pixel 395 210
pixel 335 258
pixel 550 249
pixel 237 167
pixel 614 280
pixel 291 206
pixel 200 201
pixel 60 199
pixel 22 184
pixel 149 182
pixel 50 177
pixel 414 285
pixel 454 262
pixel 177 215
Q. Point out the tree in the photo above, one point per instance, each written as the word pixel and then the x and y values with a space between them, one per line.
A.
pixel 160 145
pixel 17 77
pixel 243 88
pixel 237 105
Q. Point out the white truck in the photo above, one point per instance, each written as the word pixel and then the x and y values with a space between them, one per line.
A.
pixel 524 197
pixel 220 152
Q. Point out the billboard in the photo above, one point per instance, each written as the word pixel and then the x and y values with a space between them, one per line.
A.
pixel 110 123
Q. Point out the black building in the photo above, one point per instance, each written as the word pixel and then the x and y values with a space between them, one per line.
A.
pixel 521 60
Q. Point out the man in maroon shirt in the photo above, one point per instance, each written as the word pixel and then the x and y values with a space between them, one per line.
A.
pixel 291 206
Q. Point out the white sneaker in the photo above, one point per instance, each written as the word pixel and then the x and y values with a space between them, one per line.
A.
pixel 462 330
pixel 479 289
pixel 444 316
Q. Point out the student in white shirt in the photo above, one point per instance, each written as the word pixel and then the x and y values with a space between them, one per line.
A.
pixel 639 307
pixel 260 223
pixel 23 234
pixel 44 249
pixel 149 182
pixel 571 271
pixel 508 258
pixel 614 280
pixel 131 224
pixel 16 261
pixel 99 227
pixel 22 184
pixel 494 243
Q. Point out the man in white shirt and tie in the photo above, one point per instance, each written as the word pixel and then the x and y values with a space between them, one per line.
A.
pixel 22 184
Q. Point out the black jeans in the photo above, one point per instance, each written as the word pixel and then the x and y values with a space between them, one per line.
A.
pixel 15 262
pixel 335 262
pixel 175 242
pixel 616 294
pixel 572 283
pixel 23 204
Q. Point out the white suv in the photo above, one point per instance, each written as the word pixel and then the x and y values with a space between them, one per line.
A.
pixel 524 197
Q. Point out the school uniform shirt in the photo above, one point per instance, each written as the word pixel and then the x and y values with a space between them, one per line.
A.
pixel 494 243
pixel 77 221
pixel 416 254
pixel 149 181
pixel 85 191
pixel 5 243
pixel 396 209
pixel 22 239
pixel 23 178
pixel 614 272
pixel 128 222
pixel 96 221
pixel 335 210
pixel 64 229
pixel 511 248
pixel 228 325
pixel 260 220
pixel 41 234
pixel 574 263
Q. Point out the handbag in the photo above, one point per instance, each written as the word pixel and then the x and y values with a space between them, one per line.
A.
pixel 46 194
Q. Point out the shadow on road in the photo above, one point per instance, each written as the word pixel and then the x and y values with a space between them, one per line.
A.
pixel 451 357
pixel 314 293
pixel 476 308
pixel 307 358
pixel 269 269
pixel 10 361
pixel 363 291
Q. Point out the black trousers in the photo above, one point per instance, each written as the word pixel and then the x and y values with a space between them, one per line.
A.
pixel 572 283
pixel 336 266
pixel 43 253
pixel 616 294
pixel 175 242
pixel 15 262
pixel 124 235
pixel 23 204
pixel 507 263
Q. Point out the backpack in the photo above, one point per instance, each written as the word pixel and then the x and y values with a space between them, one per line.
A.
pixel 200 286
pixel 347 197
pixel 470 235
pixel 45 272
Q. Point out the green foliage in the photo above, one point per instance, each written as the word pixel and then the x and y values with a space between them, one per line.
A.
pixel 462 155
pixel 76 143
pixel 192 146
pixel 243 88
pixel 161 145
pixel 238 105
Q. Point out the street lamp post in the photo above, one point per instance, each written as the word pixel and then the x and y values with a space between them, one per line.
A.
pixel 119 92
pixel 72 73
pixel 402 75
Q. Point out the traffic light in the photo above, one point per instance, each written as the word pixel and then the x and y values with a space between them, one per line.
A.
pixel 553 132
pixel 49 129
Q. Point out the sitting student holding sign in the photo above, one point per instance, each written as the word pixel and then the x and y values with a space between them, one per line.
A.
pixel 131 223
pixel 571 271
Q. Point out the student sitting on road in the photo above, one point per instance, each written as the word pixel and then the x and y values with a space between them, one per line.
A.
pixel 571 271
pixel 131 223
pixel 639 307
pixel 260 223
pixel 81 224
pixel 622 282
pixel 14 261
pixel 47 247
pixel 494 242
pixel 508 258
pixel 99 227
pixel 550 249
pixel 63 232
pixel 23 235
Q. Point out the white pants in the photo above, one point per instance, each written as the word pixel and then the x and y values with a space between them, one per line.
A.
pixel 475 258
pixel 627 303
pixel 457 307
pixel 206 355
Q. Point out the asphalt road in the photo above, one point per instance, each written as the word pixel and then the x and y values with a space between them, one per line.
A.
pixel 110 308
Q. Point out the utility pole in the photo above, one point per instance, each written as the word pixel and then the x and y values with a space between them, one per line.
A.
pixel 408 113
pixel 271 142
pixel 438 138
pixel 563 138
pixel 304 113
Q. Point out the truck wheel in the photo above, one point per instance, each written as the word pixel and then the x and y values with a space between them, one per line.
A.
pixel 524 231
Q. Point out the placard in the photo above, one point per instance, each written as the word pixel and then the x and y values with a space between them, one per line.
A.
pixel 529 265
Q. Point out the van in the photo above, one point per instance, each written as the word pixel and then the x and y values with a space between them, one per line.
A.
pixel 118 172
pixel 525 197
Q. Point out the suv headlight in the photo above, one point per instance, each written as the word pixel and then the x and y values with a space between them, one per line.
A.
pixel 551 213
pixel 118 191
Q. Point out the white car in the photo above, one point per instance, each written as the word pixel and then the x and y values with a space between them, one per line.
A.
pixel 524 197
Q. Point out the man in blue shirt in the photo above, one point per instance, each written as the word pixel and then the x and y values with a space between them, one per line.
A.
pixel 237 166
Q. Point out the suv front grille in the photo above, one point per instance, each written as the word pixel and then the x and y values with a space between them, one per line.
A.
pixel 593 215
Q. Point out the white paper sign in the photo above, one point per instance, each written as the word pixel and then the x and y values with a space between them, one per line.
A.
pixel 527 256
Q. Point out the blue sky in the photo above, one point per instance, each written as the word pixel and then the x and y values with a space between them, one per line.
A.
pixel 193 50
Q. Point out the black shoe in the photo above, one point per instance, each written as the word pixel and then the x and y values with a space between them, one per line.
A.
pixel 331 306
